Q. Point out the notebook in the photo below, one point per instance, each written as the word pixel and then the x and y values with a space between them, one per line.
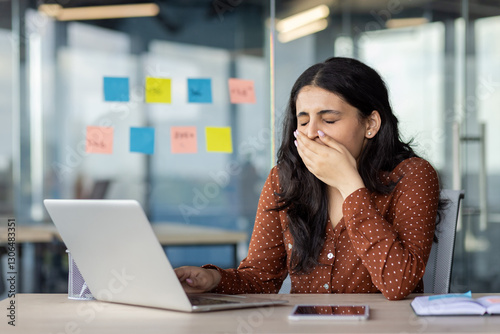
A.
pixel 121 260
pixel 456 304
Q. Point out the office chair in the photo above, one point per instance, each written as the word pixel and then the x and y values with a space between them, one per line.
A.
pixel 100 189
pixel 437 275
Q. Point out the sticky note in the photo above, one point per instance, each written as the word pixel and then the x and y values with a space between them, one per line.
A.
pixel 219 139
pixel 183 139
pixel 116 89
pixel 241 91
pixel 158 90
pixel 142 140
pixel 199 91
pixel 99 140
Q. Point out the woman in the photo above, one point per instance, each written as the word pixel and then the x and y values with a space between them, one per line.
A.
pixel 349 208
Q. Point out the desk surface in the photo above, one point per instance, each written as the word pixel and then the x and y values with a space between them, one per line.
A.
pixel 40 233
pixel 183 234
pixel 54 313
pixel 167 233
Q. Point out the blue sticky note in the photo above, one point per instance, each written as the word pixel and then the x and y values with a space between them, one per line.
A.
pixel 142 140
pixel 199 90
pixel 116 89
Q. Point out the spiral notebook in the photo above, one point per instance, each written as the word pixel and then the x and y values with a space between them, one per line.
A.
pixel 456 304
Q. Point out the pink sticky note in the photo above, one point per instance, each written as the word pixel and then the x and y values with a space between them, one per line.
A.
pixel 241 91
pixel 99 140
pixel 183 139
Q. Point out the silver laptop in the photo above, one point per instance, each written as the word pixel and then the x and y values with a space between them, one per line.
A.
pixel 121 260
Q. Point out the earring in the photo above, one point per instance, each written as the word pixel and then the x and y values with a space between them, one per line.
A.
pixel 369 133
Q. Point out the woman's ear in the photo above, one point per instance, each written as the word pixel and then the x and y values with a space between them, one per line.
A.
pixel 373 124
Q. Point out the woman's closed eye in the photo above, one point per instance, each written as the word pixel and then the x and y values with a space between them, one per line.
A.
pixel 303 121
pixel 327 121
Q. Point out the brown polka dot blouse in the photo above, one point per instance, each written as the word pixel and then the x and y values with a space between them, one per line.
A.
pixel 381 244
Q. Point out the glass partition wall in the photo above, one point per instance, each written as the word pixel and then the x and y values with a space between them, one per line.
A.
pixel 170 109
pixel 144 108
pixel 8 78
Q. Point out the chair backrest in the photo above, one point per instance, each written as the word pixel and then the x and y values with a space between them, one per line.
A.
pixel 437 275
pixel 99 189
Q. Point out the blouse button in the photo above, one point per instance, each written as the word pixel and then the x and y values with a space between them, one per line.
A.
pixel 326 286
pixel 289 246
pixel 330 256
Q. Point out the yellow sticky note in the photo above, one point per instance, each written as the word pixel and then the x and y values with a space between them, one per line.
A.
pixel 158 90
pixel 219 139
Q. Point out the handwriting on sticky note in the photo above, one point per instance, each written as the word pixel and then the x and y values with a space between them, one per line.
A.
pixel 99 140
pixel 199 90
pixel 241 91
pixel 158 90
pixel 183 139
pixel 219 139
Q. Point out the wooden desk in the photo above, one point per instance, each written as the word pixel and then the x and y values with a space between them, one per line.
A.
pixel 49 313
pixel 168 234
pixel 39 233
pixel 175 234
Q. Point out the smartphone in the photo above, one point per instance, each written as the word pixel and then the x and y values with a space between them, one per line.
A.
pixel 329 312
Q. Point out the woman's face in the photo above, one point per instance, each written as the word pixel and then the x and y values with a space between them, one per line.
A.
pixel 319 109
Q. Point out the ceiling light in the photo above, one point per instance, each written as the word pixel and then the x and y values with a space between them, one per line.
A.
pixel 51 10
pixel 406 22
pixel 302 31
pixel 99 12
pixel 302 19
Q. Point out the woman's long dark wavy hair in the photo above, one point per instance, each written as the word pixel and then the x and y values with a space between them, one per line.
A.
pixel 304 195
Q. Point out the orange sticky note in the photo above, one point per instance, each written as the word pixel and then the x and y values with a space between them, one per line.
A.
pixel 241 91
pixel 183 139
pixel 219 139
pixel 99 140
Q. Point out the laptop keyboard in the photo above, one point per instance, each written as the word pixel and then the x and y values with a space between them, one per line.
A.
pixel 196 300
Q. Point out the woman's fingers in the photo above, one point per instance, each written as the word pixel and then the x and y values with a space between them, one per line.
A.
pixel 330 142
pixel 196 279
pixel 191 279
pixel 329 161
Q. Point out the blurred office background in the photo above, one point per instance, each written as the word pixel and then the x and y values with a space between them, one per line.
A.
pixel 440 60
